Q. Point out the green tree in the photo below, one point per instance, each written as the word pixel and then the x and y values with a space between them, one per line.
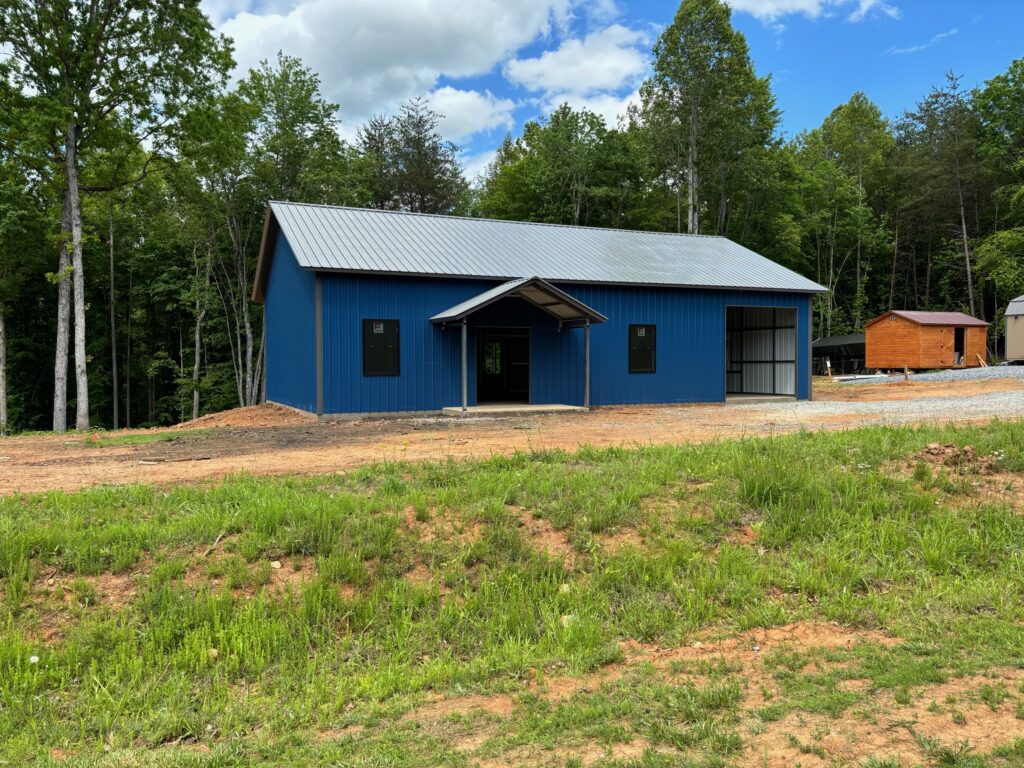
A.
pixel 859 137
pixel 703 103
pixel 409 166
pixel 103 73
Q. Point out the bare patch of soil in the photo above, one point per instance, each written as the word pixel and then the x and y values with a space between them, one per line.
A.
pixel 623 538
pixel 283 576
pixel 273 440
pixel 1003 488
pixel 58 597
pixel 745 650
pixel 440 708
pixel 965 460
pixel 336 734
pixel 420 575
pixel 951 714
pixel 441 525
pixel 586 754
pixel 545 537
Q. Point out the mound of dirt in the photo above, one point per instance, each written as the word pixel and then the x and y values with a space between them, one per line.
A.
pixel 964 459
pixel 265 415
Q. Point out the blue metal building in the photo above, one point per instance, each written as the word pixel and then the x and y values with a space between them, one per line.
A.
pixel 385 312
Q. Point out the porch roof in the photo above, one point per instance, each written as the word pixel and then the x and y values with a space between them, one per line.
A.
pixel 566 309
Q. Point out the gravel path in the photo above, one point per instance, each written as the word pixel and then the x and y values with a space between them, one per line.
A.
pixel 1007 405
pixel 961 374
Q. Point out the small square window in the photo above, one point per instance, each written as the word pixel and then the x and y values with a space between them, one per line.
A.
pixel 641 348
pixel 380 348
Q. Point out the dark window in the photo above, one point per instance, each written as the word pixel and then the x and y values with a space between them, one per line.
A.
pixel 380 348
pixel 641 348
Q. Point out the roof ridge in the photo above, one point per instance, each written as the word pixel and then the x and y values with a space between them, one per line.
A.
pixel 497 221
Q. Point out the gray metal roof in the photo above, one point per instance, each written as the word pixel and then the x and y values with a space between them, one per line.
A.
pixel 327 238
pixel 565 308
pixel 1015 307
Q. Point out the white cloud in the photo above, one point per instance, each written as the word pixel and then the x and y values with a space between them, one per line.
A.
pixel 866 7
pixel 604 60
pixel 608 105
pixel 894 51
pixel 372 55
pixel 468 112
pixel 475 165
pixel 770 11
pixel 599 72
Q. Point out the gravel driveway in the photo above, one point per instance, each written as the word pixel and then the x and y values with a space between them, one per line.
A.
pixel 953 374
pixel 1009 405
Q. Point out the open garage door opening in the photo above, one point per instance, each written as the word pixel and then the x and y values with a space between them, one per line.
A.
pixel 760 351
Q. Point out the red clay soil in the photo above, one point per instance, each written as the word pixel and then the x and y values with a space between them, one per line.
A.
pixel 273 440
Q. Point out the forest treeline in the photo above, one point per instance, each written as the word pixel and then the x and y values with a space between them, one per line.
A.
pixel 134 177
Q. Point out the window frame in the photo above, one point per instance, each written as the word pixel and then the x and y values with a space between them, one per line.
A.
pixel 654 347
pixel 367 334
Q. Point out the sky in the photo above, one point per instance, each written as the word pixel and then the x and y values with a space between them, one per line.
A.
pixel 491 65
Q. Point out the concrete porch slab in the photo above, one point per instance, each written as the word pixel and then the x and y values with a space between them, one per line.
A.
pixel 738 399
pixel 511 409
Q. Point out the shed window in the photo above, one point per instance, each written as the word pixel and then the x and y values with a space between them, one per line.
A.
pixel 641 348
pixel 380 348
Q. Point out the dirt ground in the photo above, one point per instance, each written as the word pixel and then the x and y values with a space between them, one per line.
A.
pixel 271 440
pixel 948 711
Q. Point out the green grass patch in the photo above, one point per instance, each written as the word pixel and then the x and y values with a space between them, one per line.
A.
pixel 105 439
pixel 297 620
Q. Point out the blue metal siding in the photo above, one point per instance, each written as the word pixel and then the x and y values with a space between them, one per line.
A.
pixel 690 354
pixel 290 312
pixel 690 343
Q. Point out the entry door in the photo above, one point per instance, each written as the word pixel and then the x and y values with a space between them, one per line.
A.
pixel 958 346
pixel 503 365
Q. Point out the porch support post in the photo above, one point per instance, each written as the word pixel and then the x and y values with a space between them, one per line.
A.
pixel 465 367
pixel 586 364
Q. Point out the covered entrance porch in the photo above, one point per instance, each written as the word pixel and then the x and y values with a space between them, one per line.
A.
pixel 510 360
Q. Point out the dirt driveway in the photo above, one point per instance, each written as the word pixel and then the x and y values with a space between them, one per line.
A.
pixel 267 440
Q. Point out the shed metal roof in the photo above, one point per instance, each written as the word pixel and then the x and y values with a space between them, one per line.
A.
pixel 934 318
pixel 1015 307
pixel 330 238
pixel 823 345
pixel 565 308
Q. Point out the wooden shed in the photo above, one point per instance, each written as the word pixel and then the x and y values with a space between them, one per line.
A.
pixel 900 339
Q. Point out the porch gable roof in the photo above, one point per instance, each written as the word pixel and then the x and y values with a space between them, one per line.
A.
pixel 566 309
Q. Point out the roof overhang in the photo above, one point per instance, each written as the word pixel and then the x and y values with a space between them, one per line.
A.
pixel 259 283
pixel 567 310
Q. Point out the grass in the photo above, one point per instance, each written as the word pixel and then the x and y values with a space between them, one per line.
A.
pixel 105 439
pixel 308 621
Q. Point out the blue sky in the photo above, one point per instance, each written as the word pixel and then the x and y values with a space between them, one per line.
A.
pixel 490 65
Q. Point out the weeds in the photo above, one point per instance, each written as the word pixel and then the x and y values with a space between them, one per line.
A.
pixel 427 580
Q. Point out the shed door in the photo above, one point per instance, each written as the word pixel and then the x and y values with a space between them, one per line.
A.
pixel 761 344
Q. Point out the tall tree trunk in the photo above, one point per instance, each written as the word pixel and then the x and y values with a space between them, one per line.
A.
pixel 892 274
pixel 60 365
pixel 77 279
pixel 966 244
pixel 201 304
pixel 679 207
pixel 692 180
pixel 128 361
pixel 3 371
pixel 928 273
pixel 247 322
pixel 113 325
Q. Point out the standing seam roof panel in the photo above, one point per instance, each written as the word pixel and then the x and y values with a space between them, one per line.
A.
pixel 352 239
